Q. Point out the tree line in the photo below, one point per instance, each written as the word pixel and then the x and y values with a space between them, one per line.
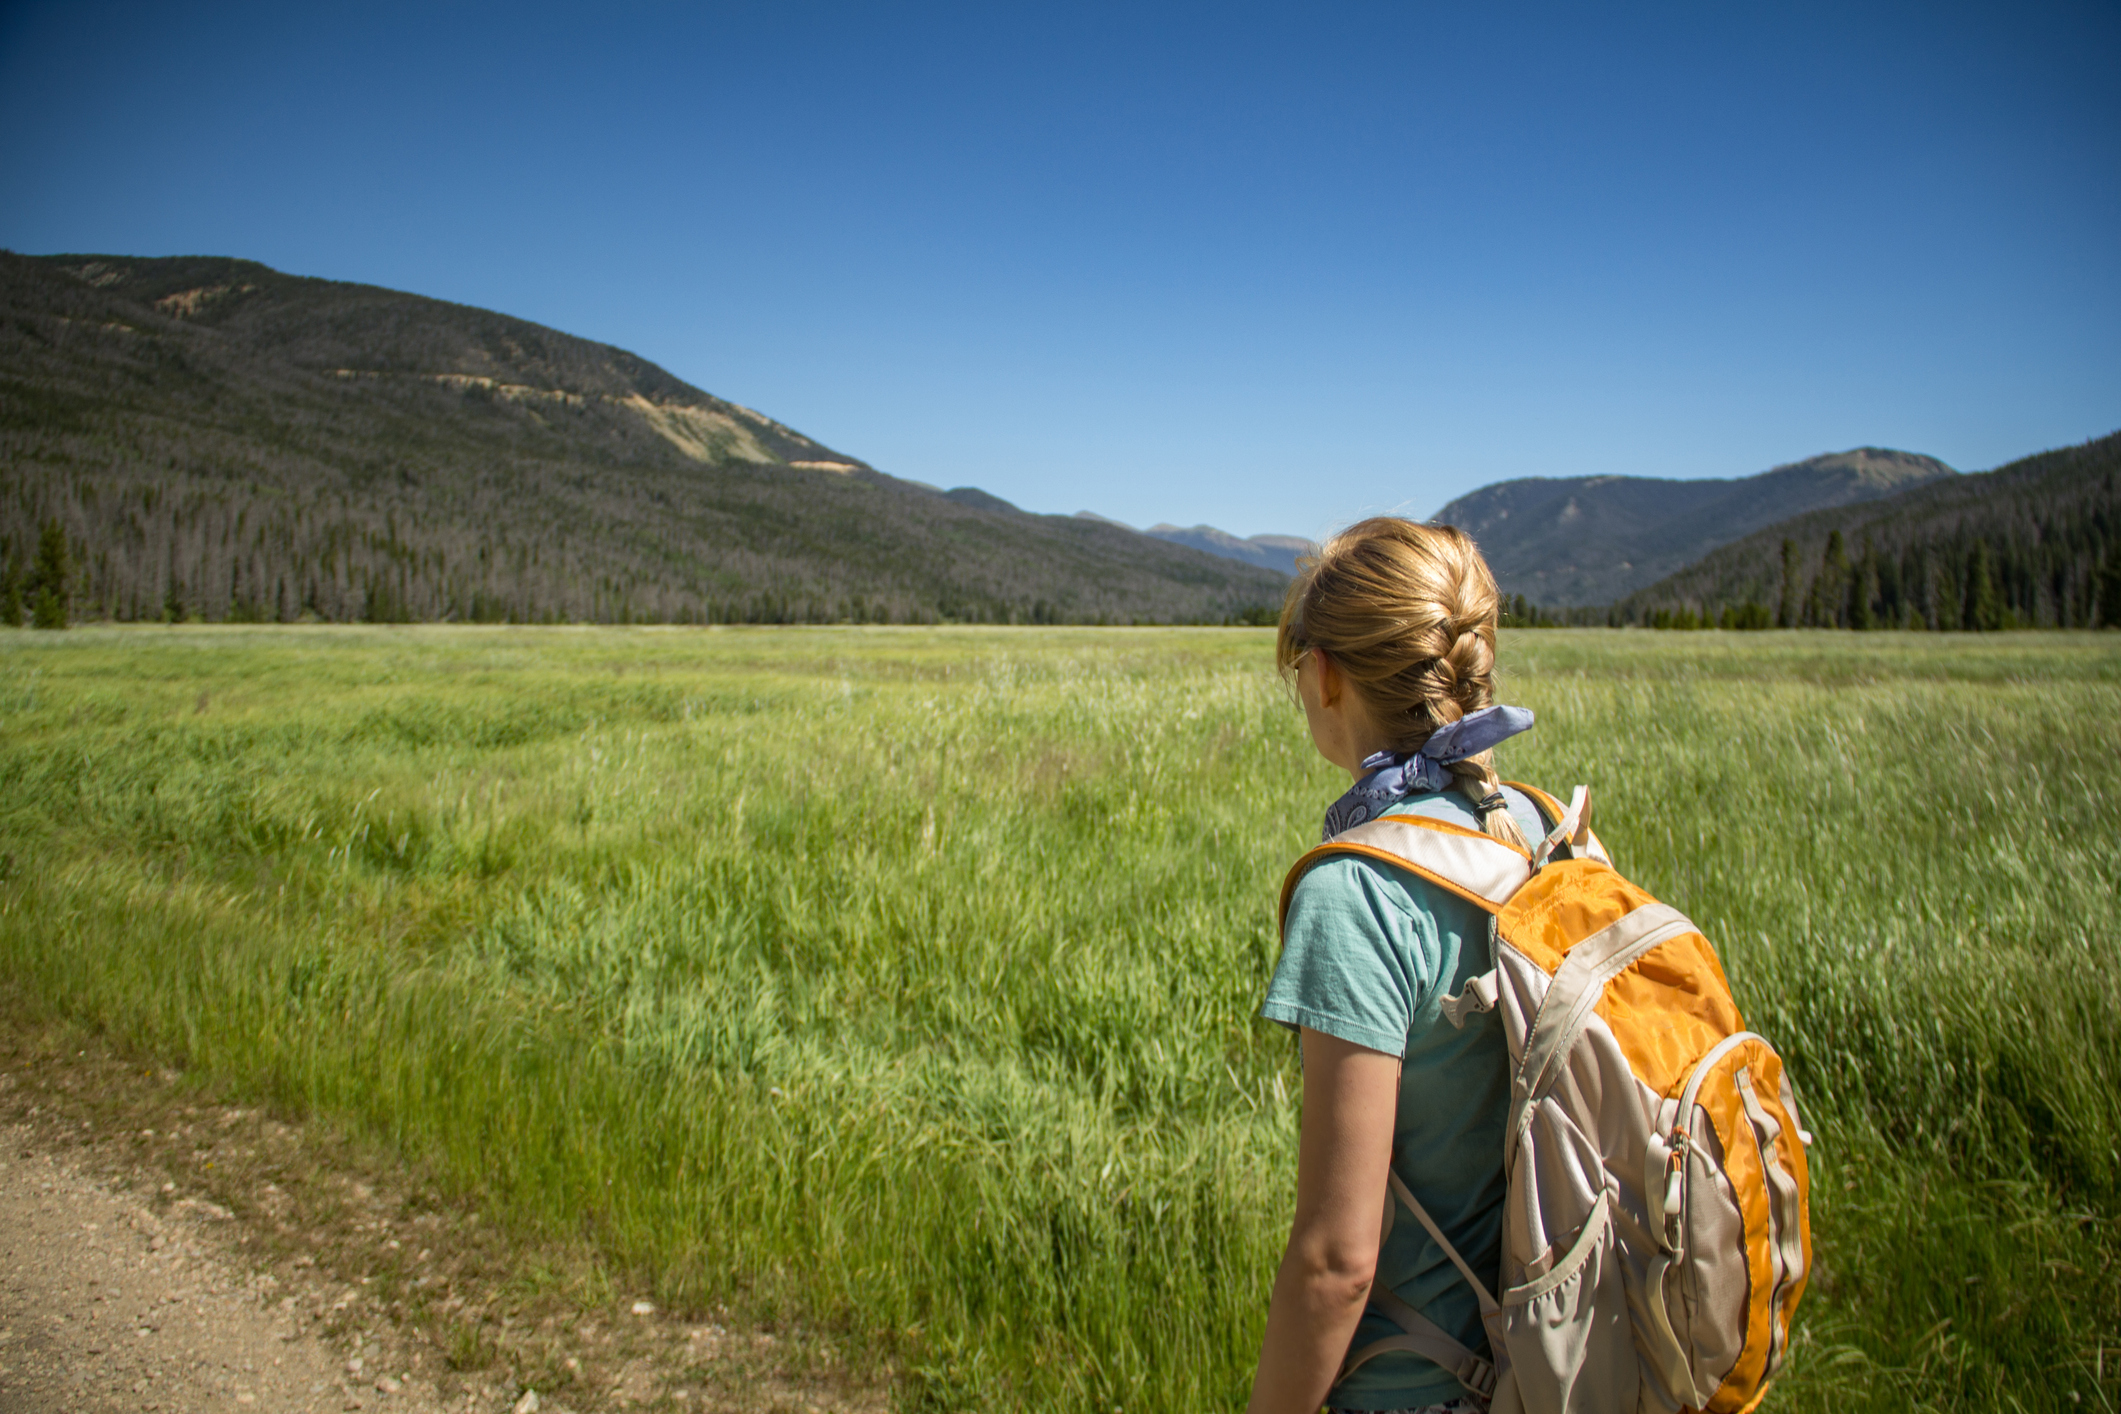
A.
pixel 1973 587
pixel 141 552
pixel 168 521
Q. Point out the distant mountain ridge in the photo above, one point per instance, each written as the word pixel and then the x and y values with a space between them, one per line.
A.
pixel 222 440
pixel 1595 539
pixel 1278 553
pixel 1275 552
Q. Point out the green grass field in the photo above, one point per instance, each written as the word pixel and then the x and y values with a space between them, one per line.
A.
pixel 903 979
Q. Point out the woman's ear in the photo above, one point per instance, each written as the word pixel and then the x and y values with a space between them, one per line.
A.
pixel 1329 681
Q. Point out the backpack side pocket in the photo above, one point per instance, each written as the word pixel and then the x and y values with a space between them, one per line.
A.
pixel 1567 1315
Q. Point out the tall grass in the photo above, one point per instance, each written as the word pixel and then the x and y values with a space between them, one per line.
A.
pixel 905 978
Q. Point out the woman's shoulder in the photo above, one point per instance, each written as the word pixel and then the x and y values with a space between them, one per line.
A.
pixel 1362 889
pixel 1355 887
pixel 1353 883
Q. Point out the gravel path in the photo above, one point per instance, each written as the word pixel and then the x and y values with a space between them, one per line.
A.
pixel 106 1305
pixel 163 1252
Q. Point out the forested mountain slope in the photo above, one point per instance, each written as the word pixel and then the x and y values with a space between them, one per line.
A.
pixel 1593 539
pixel 221 440
pixel 2034 543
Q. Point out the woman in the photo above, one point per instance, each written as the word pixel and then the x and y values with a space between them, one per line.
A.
pixel 1390 635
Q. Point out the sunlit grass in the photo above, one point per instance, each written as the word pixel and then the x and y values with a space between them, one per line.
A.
pixel 906 977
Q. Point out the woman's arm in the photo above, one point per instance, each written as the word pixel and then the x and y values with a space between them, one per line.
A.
pixel 1351 1098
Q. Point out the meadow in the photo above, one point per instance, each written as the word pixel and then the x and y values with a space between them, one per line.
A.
pixel 903 980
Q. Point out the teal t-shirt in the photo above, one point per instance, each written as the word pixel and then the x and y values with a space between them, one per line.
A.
pixel 1369 953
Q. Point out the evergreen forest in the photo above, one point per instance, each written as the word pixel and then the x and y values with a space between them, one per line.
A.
pixel 216 440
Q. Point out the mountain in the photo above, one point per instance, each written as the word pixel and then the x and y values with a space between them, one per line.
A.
pixel 2034 543
pixel 219 439
pixel 1275 552
pixel 1594 539
pixel 982 501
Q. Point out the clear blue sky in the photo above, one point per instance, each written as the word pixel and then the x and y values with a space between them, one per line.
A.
pixel 1269 267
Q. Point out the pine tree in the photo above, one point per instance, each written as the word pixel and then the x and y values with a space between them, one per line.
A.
pixel 1863 590
pixel 1984 607
pixel 11 596
pixel 1892 596
pixel 2110 589
pixel 51 578
pixel 1786 616
pixel 1828 602
pixel 1944 607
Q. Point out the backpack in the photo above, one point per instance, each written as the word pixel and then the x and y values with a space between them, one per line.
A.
pixel 1656 1235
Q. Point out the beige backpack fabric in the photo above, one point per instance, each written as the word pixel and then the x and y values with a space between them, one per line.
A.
pixel 1656 1236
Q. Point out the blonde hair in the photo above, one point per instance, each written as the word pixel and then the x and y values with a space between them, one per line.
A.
pixel 1408 613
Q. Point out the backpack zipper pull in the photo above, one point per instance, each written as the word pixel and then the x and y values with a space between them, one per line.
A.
pixel 1674 1186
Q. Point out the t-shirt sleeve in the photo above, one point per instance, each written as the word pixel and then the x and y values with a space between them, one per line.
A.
pixel 1353 958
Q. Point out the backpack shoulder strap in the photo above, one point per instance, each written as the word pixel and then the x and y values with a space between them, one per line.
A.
pixel 1551 814
pixel 1549 808
pixel 1480 869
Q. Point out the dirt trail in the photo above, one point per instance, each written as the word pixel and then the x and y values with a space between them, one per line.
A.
pixel 163 1253
pixel 107 1305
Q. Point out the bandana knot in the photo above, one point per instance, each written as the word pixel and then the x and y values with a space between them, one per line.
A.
pixel 1396 774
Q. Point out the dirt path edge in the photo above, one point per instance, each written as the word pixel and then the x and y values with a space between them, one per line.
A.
pixel 163 1252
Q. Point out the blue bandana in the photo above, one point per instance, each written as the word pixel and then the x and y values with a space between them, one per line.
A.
pixel 1396 774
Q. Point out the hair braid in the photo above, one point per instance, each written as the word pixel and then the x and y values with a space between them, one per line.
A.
pixel 1408 612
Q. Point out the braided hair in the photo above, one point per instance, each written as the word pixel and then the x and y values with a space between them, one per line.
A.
pixel 1407 612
